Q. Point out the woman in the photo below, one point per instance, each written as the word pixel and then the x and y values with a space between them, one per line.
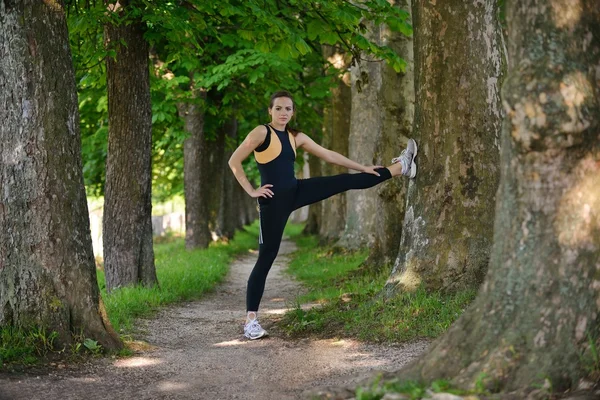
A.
pixel 274 146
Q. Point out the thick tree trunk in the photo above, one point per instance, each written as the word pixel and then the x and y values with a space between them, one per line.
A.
pixel 336 127
pixel 229 209
pixel 47 269
pixel 541 297
pixel 448 224
pixel 398 105
pixel 197 234
pixel 127 220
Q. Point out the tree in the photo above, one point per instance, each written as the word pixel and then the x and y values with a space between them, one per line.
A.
pixel 230 208
pixel 314 222
pixel 448 223
pixel 336 127
pixel 47 268
pixel 197 234
pixel 127 218
pixel 537 313
pixel 382 105
pixel 398 99
pixel 363 136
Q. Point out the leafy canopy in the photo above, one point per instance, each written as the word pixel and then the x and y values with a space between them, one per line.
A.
pixel 237 51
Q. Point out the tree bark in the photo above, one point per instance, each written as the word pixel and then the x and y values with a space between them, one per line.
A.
pixel 448 224
pixel 313 222
pixel 336 126
pixel 230 206
pixel 541 297
pixel 398 106
pixel 363 140
pixel 381 122
pixel 214 182
pixel 127 220
pixel 300 215
pixel 47 268
pixel 197 234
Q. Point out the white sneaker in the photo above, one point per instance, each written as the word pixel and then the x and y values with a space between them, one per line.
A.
pixel 253 330
pixel 407 158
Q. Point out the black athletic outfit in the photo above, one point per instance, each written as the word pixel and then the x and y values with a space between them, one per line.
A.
pixel 290 194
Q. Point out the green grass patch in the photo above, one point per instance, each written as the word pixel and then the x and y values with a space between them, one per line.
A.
pixel 352 304
pixel 409 389
pixel 24 345
pixel 182 275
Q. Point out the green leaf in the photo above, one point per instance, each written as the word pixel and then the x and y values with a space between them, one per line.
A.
pixel 315 28
pixel 329 38
pixel 262 47
pixel 302 46
pixel 362 43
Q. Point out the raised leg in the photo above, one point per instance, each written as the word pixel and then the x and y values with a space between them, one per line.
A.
pixel 312 190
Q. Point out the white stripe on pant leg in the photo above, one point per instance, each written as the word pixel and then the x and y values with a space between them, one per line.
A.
pixel 260 238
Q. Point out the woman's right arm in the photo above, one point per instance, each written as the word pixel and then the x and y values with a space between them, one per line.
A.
pixel 252 141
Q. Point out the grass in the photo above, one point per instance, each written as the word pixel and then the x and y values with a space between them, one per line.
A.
pixel 410 389
pixel 352 304
pixel 590 357
pixel 24 346
pixel 182 275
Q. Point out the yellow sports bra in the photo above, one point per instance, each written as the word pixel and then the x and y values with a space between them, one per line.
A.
pixel 272 147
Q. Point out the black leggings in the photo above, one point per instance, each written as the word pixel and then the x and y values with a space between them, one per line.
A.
pixel 275 211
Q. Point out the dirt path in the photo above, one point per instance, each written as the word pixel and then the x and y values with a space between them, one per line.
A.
pixel 199 353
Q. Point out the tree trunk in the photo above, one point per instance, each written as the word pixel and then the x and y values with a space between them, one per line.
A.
pixel 363 140
pixel 336 126
pixel 249 206
pixel 47 269
pixel 300 215
pixel 398 106
pixel 313 222
pixel 448 224
pixel 197 234
pixel 381 122
pixel 214 180
pixel 229 209
pixel 127 221
pixel 541 297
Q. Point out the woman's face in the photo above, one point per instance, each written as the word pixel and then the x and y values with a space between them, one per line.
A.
pixel 282 110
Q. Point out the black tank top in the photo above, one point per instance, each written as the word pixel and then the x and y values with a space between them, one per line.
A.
pixel 275 159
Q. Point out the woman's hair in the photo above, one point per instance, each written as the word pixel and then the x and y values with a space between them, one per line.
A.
pixel 285 93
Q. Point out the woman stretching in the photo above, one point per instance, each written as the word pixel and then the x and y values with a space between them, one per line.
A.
pixel 280 192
